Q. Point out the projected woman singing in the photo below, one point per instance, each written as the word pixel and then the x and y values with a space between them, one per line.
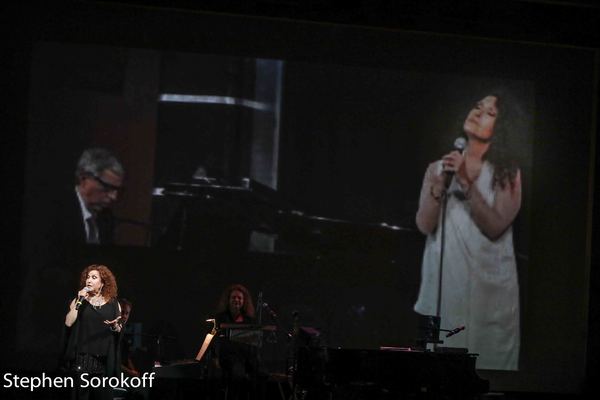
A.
pixel 479 286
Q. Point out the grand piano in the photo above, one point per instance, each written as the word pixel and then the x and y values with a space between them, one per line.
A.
pixel 318 372
pixel 389 373
pixel 335 373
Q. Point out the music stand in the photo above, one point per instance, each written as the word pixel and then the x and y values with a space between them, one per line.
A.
pixel 207 340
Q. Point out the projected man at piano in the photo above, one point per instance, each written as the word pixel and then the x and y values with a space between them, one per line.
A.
pixel 237 356
pixel 99 180
pixel 479 288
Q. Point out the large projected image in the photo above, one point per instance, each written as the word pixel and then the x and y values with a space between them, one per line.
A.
pixel 338 153
pixel 467 205
pixel 365 195
pixel 391 125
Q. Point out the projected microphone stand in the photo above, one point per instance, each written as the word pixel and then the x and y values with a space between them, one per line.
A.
pixel 438 306
pixel 430 325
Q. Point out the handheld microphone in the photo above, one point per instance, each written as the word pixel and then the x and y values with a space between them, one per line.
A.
pixel 81 298
pixel 459 145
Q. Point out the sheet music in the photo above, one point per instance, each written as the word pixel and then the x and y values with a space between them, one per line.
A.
pixel 205 344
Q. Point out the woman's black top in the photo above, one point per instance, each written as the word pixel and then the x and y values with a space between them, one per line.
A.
pixel 90 335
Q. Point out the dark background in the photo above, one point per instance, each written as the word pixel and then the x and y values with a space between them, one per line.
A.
pixel 560 317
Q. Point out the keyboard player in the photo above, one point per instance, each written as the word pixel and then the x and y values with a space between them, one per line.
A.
pixel 237 349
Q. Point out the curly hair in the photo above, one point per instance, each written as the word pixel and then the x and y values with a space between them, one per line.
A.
pixel 109 290
pixel 506 128
pixel 247 308
pixel 499 155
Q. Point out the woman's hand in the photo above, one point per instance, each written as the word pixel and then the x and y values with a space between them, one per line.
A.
pixel 74 306
pixel 454 163
pixel 114 324
pixel 436 182
pixel 85 293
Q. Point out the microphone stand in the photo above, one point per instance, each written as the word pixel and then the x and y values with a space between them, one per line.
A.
pixel 459 145
pixel 438 308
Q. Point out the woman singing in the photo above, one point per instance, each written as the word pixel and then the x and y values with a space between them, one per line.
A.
pixel 479 286
pixel 94 328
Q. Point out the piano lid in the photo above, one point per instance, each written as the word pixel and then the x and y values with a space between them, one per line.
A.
pixel 209 209
pixel 255 193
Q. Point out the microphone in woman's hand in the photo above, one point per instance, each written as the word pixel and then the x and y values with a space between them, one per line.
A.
pixel 81 298
pixel 459 145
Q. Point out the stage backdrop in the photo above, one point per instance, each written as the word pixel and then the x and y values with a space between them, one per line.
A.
pixel 336 126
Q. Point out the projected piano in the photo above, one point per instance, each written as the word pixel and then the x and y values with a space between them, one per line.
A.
pixel 210 215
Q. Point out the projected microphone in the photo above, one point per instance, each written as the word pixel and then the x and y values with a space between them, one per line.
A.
pixel 459 145
pixel 81 298
pixel 455 331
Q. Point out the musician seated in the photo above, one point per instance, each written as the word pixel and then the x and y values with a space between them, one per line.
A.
pixel 239 361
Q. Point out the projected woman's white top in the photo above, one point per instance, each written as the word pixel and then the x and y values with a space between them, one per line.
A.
pixel 479 284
